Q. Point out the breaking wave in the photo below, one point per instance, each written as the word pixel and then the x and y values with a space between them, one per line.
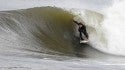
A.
pixel 44 30
pixel 51 30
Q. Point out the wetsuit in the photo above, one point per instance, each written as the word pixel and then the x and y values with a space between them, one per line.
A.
pixel 82 30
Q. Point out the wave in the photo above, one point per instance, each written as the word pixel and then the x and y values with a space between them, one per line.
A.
pixel 52 28
pixel 43 30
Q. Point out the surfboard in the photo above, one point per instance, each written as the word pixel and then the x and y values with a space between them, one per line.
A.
pixel 84 41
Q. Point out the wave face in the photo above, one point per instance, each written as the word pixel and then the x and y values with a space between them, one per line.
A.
pixel 44 30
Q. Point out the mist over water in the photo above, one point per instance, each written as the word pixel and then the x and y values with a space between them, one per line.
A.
pixel 106 28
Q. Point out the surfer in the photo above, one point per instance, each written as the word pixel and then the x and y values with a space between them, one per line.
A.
pixel 82 30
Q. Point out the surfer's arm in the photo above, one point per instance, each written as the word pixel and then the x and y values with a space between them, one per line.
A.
pixel 76 22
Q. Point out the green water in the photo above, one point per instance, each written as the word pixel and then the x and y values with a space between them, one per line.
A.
pixel 51 29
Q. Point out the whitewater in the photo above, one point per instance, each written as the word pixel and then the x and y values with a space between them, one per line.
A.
pixel 40 35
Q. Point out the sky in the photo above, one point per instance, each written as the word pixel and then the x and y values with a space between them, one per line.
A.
pixel 81 4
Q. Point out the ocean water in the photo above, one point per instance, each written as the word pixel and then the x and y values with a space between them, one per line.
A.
pixel 42 36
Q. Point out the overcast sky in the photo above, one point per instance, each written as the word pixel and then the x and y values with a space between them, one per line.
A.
pixel 21 4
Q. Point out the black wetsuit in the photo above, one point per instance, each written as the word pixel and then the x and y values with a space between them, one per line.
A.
pixel 82 30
